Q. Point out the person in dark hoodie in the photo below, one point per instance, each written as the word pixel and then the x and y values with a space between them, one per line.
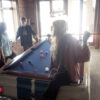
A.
pixel 25 33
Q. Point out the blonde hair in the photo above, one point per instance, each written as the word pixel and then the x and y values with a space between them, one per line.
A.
pixel 57 45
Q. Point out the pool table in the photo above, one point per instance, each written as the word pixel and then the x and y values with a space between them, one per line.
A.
pixel 31 68
pixel 26 77
pixel 35 62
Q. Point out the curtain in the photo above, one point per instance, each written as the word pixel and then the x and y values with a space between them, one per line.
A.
pixel 96 40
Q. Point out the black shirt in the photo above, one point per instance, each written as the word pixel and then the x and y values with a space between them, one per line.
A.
pixel 25 33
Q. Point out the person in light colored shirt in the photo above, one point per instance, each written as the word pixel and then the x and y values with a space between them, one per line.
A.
pixel 5 43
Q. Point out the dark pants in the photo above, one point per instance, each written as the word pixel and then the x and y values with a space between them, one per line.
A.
pixel 1 63
pixel 11 57
pixel 26 47
pixel 55 84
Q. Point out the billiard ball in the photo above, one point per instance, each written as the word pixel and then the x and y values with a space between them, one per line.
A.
pixel 46 69
pixel 46 53
pixel 41 51
pixel 41 55
pixel 21 63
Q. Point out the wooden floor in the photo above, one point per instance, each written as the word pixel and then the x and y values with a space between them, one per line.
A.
pixel 95 74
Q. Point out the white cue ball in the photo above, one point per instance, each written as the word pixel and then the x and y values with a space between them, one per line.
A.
pixel 46 69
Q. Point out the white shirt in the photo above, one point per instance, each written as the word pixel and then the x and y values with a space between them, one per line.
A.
pixel 5 44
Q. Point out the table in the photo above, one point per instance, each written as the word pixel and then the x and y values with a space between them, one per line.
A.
pixel 31 69
pixel 35 62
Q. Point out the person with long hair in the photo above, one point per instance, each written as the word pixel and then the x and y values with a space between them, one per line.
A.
pixel 67 56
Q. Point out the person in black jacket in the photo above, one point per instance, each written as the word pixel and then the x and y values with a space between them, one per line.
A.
pixel 25 33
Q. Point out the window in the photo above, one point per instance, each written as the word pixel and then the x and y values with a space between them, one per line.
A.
pixel 7 10
pixel 88 17
pixel 74 17
pixel 45 18
pixel 57 6
pixel 53 11
pixel 81 17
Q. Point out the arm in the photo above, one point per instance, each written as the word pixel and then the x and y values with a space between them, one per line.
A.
pixel 34 34
pixel 74 54
pixel 18 33
pixel 83 53
pixel 1 49
pixel 53 70
pixel 2 56
pixel 52 64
